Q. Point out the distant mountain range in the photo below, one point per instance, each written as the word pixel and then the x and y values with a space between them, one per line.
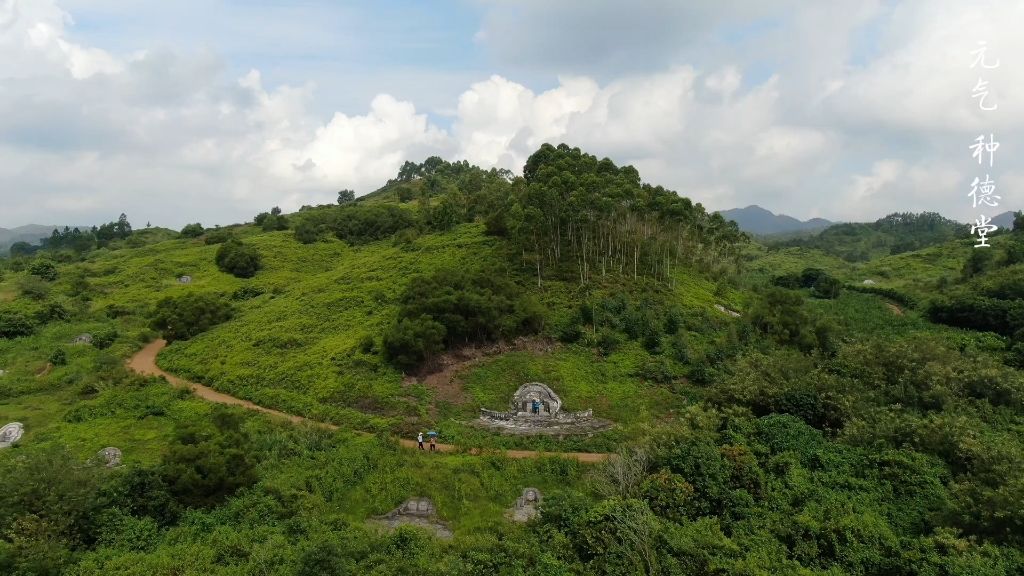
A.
pixel 30 233
pixel 757 220
pixel 1004 220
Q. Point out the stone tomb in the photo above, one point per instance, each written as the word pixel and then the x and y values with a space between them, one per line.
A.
pixel 82 339
pixel 184 279
pixel 868 282
pixel 525 507
pixel 419 512
pixel 520 418
pixel 10 434
pixel 109 457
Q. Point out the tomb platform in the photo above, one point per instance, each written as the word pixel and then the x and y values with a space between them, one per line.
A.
pixel 548 419
pixel 419 512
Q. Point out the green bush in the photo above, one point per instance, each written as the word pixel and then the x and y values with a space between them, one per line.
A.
pixel 247 292
pixel 472 305
pixel 193 230
pixel 15 325
pixel 828 288
pixel 105 338
pixel 44 269
pixel 306 232
pixel 187 315
pixel 238 259
pixel 410 342
pixel 53 312
pixel 218 236
pixel 657 370
pixel 33 287
pixel 59 357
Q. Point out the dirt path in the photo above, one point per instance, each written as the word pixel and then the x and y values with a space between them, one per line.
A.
pixel 895 309
pixel 144 362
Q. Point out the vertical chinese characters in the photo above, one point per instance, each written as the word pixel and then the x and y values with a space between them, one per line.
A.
pixel 982 191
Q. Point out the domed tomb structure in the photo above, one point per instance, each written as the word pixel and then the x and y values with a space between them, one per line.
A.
pixel 10 434
pixel 535 408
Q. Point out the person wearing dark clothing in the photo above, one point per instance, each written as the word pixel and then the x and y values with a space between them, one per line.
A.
pixel 433 443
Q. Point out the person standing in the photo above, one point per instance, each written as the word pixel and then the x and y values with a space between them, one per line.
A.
pixel 419 439
pixel 433 443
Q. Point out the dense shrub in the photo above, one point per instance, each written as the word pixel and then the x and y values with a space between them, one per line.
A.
pixel 44 269
pixel 105 338
pixel 33 287
pixel 15 325
pixel 410 342
pixel 218 236
pixel 272 221
pixel 359 224
pixel 247 292
pixel 59 357
pixel 192 230
pixel 52 312
pixel 890 293
pixel 473 305
pixel 827 287
pixel 207 464
pixel 306 232
pixel 185 316
pixel 238 259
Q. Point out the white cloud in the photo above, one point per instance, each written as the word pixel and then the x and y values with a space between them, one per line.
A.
pixel 166 135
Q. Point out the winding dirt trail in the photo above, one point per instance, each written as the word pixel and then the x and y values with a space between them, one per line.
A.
pixel 144 362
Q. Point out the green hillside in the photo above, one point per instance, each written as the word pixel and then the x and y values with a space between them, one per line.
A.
pixel 893 234
pixel 832 427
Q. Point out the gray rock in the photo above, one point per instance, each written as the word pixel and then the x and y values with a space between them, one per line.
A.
pixel 10 434
pixel 725 310
pixel 526 507
pixel 869 282
pixel 419 512
pixel 110 456
pixel 82 339
pixel 185 279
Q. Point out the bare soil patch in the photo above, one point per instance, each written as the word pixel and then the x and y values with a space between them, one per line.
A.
pixel 895 309
pixel 445 374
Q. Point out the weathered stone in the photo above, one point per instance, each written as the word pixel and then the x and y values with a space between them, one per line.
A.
pixel 725 310
pixel 869 282
pixel 418 512
pixel 525 507
pixel 185 279
pixel 10 434
pixel 550 419
pixel 2 372
pixel 110 456
pixel 82 339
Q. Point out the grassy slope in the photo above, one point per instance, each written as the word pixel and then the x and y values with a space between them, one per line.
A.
pixel 295 348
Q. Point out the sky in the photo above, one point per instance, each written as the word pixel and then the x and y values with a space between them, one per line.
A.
pixel 215 110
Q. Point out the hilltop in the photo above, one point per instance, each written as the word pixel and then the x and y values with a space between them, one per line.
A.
pixel 771 410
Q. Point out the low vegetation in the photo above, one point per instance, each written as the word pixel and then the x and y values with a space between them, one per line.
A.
pixel 774 414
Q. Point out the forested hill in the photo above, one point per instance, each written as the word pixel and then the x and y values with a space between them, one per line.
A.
pixel 894 234
pixel 772 413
